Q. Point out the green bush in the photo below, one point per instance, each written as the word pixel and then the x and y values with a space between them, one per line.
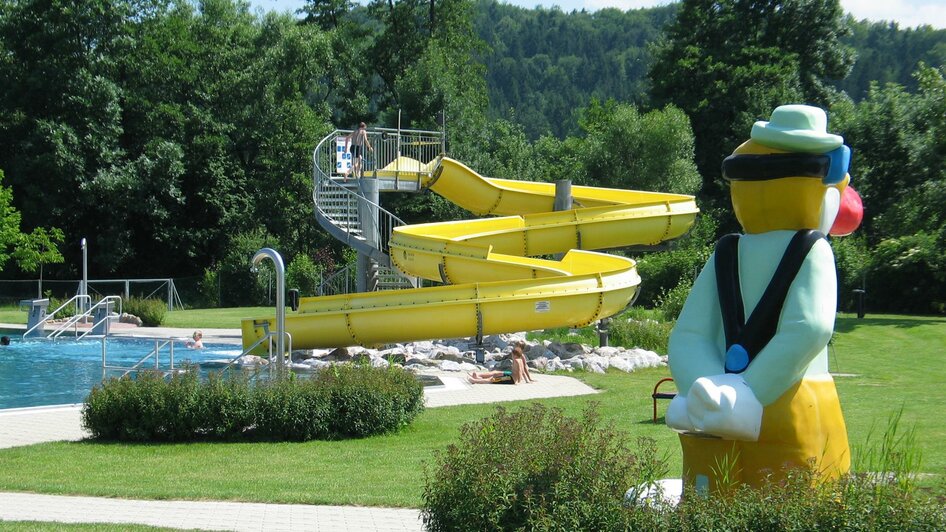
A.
pixel 292 410
pixel 662 271
pixel 304 275
pixel 535 469
pixel 366 400
pixel 209 289
pixel 344 401
pixel 643 330
pixel 670 303
pixel 908 274
pixel 151 311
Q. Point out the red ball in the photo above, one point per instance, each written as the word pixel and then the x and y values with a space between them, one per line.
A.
pixel 850 215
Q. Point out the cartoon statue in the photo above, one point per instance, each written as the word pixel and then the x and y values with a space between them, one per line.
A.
pixel 749 351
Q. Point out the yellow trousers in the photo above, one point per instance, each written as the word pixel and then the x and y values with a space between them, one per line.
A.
pixel 801 428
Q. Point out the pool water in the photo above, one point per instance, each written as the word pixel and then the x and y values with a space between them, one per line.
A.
pixel 41 372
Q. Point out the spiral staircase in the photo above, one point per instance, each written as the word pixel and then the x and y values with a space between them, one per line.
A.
pixel 348 206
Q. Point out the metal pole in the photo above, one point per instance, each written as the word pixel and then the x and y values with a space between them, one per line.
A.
pixel 85 273
pixel 280 299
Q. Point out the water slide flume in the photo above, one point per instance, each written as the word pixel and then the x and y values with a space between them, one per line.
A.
pixel 495 283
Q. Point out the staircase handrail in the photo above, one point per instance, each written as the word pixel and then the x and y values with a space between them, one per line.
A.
pixel 51 315
pixel 78 317
pixel 387 221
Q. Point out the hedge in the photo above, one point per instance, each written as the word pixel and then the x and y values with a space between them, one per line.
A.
pixel 339 402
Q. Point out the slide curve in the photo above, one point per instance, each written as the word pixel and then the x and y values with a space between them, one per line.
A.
pixel 496 277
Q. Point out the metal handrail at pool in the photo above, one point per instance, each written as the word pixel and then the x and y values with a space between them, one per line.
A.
pixel 73 321
pixel 161 343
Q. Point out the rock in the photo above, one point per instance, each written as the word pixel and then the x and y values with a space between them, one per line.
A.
pixel 130 318
pixel 621 364
pixel 466 366
pixel 608 351
pixel 601 361
pixel 450 365
pixel 574 363
pixel 594 367
pixel 378 362
pixel 568 350
pixel 426 362
pixel 251 360
pixel 449 353
pixel 361 358
pixel 555 364
pixel 539 363
pixel 339 355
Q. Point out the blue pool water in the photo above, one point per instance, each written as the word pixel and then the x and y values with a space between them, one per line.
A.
pixel 40 372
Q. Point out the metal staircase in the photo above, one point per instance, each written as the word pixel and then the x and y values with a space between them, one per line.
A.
pixel 349 209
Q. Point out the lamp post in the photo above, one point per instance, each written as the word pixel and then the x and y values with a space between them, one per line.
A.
pixel 280 297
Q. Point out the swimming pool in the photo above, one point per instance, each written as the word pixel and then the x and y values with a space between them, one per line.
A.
pixel 41 372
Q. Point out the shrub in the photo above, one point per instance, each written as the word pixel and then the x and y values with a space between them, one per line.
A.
pixel 366 400
pixel 670 303
pixel 304 275
pixel 535 469
pixel 151 311
pixel 638 330
pixel 344 401
pixel 209 289
pixel 292 409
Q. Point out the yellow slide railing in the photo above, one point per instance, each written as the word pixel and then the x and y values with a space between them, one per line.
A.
pixel 495 282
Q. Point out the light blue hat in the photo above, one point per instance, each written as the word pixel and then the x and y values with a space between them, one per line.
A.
pixel 797 128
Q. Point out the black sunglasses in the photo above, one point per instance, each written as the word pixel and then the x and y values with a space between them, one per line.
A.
pixel 829 167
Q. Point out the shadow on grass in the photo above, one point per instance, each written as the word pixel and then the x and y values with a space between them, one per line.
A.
pixel 848 324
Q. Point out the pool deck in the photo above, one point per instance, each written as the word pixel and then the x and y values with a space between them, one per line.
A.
pixel 27 426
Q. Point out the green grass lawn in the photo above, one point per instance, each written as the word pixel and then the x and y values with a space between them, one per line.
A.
pixel 215 318
pixel 12 314
pixel 897 361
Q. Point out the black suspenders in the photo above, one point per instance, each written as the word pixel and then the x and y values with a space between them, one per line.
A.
pixel 746 338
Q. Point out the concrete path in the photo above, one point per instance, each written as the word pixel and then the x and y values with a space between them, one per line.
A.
pixel 206 515
pixel 26 426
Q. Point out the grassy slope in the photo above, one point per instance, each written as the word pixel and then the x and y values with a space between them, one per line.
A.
pixel 897 358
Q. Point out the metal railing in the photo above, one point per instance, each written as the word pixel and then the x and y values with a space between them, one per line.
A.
pixel 161 343
pixel 80 302
pixel 339 209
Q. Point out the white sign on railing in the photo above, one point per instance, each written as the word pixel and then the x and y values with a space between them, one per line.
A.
pixel 342 157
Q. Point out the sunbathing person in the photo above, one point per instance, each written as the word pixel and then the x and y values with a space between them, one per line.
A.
pixel 518 373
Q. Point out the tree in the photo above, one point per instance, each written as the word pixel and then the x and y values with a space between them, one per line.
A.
pixel 9 223
pixel 30 250
pixel 38 248
pixel 629 150
pixel 726 63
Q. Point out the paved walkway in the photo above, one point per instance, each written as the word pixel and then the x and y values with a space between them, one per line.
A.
pixel 26 426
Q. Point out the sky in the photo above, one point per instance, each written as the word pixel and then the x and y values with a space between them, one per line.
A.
pixel 908 13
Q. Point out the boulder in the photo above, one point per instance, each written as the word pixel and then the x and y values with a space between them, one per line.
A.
pixel 450 365
pixel 338 355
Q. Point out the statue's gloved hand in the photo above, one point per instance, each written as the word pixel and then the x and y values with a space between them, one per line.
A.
pixel 677 417
pixel 724 406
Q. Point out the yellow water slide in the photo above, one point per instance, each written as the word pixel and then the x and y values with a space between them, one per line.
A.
pixel 495 280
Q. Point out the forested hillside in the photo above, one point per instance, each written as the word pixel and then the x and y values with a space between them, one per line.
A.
pixel 543 64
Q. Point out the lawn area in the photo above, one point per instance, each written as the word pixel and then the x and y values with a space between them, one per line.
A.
pixel 896 362
pixel 215 318
pixel 12 314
